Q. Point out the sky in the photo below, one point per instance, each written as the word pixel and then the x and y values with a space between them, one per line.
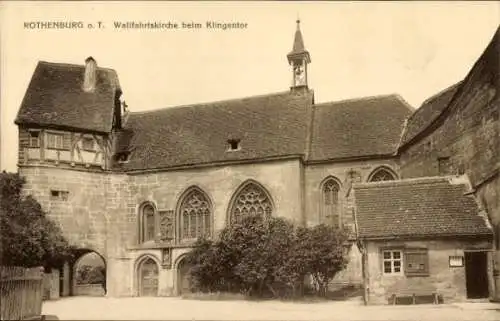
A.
pixel 414 49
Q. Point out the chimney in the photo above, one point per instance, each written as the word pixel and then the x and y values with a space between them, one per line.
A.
pixel 90 76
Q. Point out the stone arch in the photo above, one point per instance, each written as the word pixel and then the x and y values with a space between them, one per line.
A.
pixel 250 198
pixel 382 173
pixel 194 214
pixel 330 205
pixel 82 279
pixel 147 227
pixel 147 270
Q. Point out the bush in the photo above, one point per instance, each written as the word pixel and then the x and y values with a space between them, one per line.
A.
pixel 268 257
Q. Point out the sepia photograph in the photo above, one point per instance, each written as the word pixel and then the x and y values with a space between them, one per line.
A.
pixel 250 160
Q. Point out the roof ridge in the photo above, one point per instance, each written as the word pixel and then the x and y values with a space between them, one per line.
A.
pixel 440 93
pixel 66 64
pixel 210 102
pixel 452 180
pixel 364 98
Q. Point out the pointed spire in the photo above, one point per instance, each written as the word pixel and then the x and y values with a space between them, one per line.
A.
pixel 298 50
pixel 298 43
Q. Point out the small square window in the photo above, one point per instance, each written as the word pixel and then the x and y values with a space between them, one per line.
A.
pixel 56 195
pixel 392 262
pixel 233 144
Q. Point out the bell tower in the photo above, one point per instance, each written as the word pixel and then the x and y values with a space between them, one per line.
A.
pixel 299 58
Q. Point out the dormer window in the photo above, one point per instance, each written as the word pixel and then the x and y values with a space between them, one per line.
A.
pixel 233 144
pixel 88 144
pixel 34 139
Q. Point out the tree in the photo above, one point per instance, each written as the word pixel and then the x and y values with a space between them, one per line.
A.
pixel 88 274
pixel 322 252
pixel 29 238
pixel 268 256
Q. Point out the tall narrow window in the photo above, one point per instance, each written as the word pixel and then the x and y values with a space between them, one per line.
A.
pixel 382 174
pixel 330 206
pixel 252 199
pixel 34 139
pixel 148 223
pixel 195 213
pixel 54 141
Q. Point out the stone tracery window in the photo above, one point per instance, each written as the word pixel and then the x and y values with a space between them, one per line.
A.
pixel 195 214
pixel 330 203
pixel 147 223
pixel 252 199
pixel 382 174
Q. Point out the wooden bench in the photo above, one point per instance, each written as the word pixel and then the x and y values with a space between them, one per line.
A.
pixel 413 296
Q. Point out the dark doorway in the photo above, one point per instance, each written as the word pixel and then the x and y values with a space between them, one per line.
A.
pixel 476 275
pixel 183 281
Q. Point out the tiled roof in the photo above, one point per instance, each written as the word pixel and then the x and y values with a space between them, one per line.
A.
pixel 427 113
pixel 267 126
pixel 55 98
pixel 359 127
pixel 425 207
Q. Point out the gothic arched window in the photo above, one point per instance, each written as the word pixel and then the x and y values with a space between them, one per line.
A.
pixel 382 174
pixel 147 222
pixel 195 215
pixel 330 206
pixel 252 199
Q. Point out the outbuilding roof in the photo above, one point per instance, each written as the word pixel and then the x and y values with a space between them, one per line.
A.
pixel 414 208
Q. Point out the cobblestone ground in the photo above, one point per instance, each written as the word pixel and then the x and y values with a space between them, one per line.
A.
pixel 88 308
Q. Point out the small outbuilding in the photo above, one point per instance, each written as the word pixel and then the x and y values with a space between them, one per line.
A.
pixel 423 240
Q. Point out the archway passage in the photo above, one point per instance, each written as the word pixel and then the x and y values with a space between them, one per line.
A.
pixel 89 274
pixel 183 279
pixel 148 277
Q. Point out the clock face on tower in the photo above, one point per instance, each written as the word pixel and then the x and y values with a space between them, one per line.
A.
pixel 299 75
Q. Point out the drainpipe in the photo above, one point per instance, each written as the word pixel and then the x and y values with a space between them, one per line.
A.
pixel 364 268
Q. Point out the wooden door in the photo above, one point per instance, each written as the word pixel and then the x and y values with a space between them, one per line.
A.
pixel 148 278
pixel 184 283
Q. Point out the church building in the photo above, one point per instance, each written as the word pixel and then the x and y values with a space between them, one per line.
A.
pixel 138 188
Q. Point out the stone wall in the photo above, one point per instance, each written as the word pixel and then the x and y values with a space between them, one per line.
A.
pixel 468 138
pixel 345 173
pixel 125 194
pixel 76 200
pixel 443 279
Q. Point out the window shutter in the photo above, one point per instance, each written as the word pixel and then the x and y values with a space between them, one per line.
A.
pixel 416 262
pixel 67 141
